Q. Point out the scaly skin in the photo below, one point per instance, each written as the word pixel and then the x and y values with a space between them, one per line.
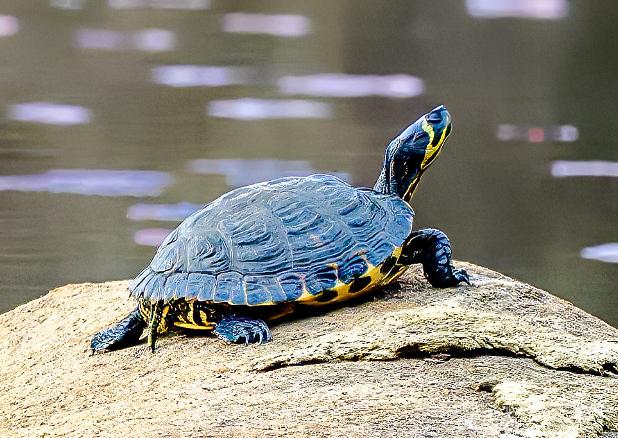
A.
pixel 123 334
pixel 432 248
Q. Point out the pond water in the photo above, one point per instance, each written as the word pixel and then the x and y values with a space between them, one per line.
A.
pixel 119 118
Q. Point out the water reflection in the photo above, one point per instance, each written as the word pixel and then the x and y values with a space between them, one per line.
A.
pixel 607 252
pixel 257 109
pixel 563 168
pixel 151 236
pixel 194 5
pixel 536 134
pixel 90 182
pixel 49 113
pixel 288 26
pixel 162 212
pixel 348 85
pixel 67 4
pixel 239 173
pixel 9 25
pixel 147 40
pixel 153 84
pixel 538 9
pixel 199 75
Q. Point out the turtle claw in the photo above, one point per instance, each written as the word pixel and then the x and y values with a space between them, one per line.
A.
pixel 461 276
pixel 448 277
pixel 242 330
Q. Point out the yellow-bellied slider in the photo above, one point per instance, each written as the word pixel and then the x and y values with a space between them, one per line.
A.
pixel 268 248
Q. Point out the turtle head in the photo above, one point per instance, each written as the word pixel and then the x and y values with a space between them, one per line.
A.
pixel 412 152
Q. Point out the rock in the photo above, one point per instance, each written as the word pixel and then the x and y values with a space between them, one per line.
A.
pixel 497 359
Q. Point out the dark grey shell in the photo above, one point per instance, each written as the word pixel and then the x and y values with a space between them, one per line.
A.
pixel 262 243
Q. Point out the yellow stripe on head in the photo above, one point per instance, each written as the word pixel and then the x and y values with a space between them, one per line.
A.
pixel 432 150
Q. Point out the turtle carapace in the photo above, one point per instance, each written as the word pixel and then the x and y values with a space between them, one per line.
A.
pixel 270 248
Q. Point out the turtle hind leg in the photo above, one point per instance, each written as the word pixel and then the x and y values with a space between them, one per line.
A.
pixel 432 248
pixel 123 334
pixel 242 330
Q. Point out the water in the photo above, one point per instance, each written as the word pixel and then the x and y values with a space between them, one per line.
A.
pixel 108 107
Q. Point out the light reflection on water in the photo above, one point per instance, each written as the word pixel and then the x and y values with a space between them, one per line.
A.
pixel 281 25
pixel 99 182
pixel 607 252
pixel 539 9
pixel 199 75
pixel 162 212
pixel 151 236
pixel 49 113
pixel 9 25
pixel 258 109
pixel 537 134
pixel 563 168
pixel 400 86
pixel 192 5
pixel 71 5
pixel 158 84
pixel 147 40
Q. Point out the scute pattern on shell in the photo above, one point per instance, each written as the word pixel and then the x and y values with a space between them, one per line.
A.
pixel 262 243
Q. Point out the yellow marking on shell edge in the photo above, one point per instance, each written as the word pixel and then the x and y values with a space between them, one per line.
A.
pixel 343 289
pixel 185 319
pixel 193 326
pixel 163 324
pixel 287 309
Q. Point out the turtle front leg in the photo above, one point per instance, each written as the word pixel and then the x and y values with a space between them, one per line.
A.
pixel 432 248
pixel 242 330
pixel 123 334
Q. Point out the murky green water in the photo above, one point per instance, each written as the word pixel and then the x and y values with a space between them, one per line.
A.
pixel 140 94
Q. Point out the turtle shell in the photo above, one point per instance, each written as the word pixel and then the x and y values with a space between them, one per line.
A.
pixel 275 242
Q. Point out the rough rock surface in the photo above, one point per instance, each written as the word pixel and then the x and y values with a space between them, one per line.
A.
pixel 496 359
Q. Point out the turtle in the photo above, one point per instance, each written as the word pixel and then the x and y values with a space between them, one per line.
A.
pixel 266 250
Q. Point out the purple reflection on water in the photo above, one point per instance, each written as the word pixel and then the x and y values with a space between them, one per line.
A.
pixel 288 26
pixel 240 173
pixel 607 252
pixel 99 39
pixel 151 236
pixel 348 85
pixel 148 40
pixel 538 9
pixel 154 40
pixel 563 168
pixel 193 5
pixel 162 212
pixel 9 25
pixel 257 109
pixel 49 113
pixel 199 75
pixel 90 182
